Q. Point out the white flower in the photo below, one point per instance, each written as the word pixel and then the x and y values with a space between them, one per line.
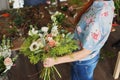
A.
pixel 44 29
pixel 41 42
pixel 57 17
pixel 40 35
pixel 34 46
pixel 54 27
pixel 49 38
pixel 54 31
pixel 41 45
pixel 53 18
pixel 57 13
pixel 63 35
pixel 32 32
pixel 6 53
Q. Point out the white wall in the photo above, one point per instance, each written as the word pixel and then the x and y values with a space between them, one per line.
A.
pixel 4 4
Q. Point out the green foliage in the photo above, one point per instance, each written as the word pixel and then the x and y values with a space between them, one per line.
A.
pixel 34 57
pixel 63 49
pixel 117 4
pixel 64 8
pixel 60 18
pixel 75 2
pixel 117 8
pixel 12 30
pixel 18 20
pixel 25 46
pixel 66 46
pixel 17 16
pixel 52 0
pixel 2 66
pixel 106 54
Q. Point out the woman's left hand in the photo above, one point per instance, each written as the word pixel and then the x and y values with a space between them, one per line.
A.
pixel 49 62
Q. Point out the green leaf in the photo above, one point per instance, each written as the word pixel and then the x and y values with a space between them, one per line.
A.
pixel 2 66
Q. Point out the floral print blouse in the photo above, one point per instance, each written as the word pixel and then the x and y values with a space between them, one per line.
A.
pixel 94 27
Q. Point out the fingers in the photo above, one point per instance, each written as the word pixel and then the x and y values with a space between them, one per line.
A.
pixel 48 62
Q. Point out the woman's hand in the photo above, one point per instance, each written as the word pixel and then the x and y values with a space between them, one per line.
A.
pixel 49 62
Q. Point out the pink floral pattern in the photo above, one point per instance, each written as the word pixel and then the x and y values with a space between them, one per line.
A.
pixel 90 20
pixel 96 35
pixel 104 14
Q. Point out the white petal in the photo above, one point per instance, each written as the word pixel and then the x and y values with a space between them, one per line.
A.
pixel 32 48
pixel 44 29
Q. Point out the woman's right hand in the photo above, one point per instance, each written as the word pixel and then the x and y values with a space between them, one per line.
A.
pixel 49 62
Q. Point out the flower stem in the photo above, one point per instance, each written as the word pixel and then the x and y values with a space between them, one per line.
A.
pixel 57 71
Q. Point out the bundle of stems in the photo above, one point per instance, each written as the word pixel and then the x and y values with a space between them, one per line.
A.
pixel 49 72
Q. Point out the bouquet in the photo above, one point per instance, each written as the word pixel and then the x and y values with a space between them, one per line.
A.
pixel 50 41
pixel 5 53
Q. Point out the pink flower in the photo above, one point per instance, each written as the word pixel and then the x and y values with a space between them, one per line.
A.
pixel 8 61
pixel 52 43
pixel 48 2
pixel 50 40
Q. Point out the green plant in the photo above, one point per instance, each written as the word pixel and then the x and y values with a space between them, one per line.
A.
pixel 75 2
pixel 52 0
pixel 2 66
pixel 117 8
pixel 17 16
pixel 106 54
pixel 12 30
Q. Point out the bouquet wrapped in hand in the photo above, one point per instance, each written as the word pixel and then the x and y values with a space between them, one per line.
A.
pixel 50 41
